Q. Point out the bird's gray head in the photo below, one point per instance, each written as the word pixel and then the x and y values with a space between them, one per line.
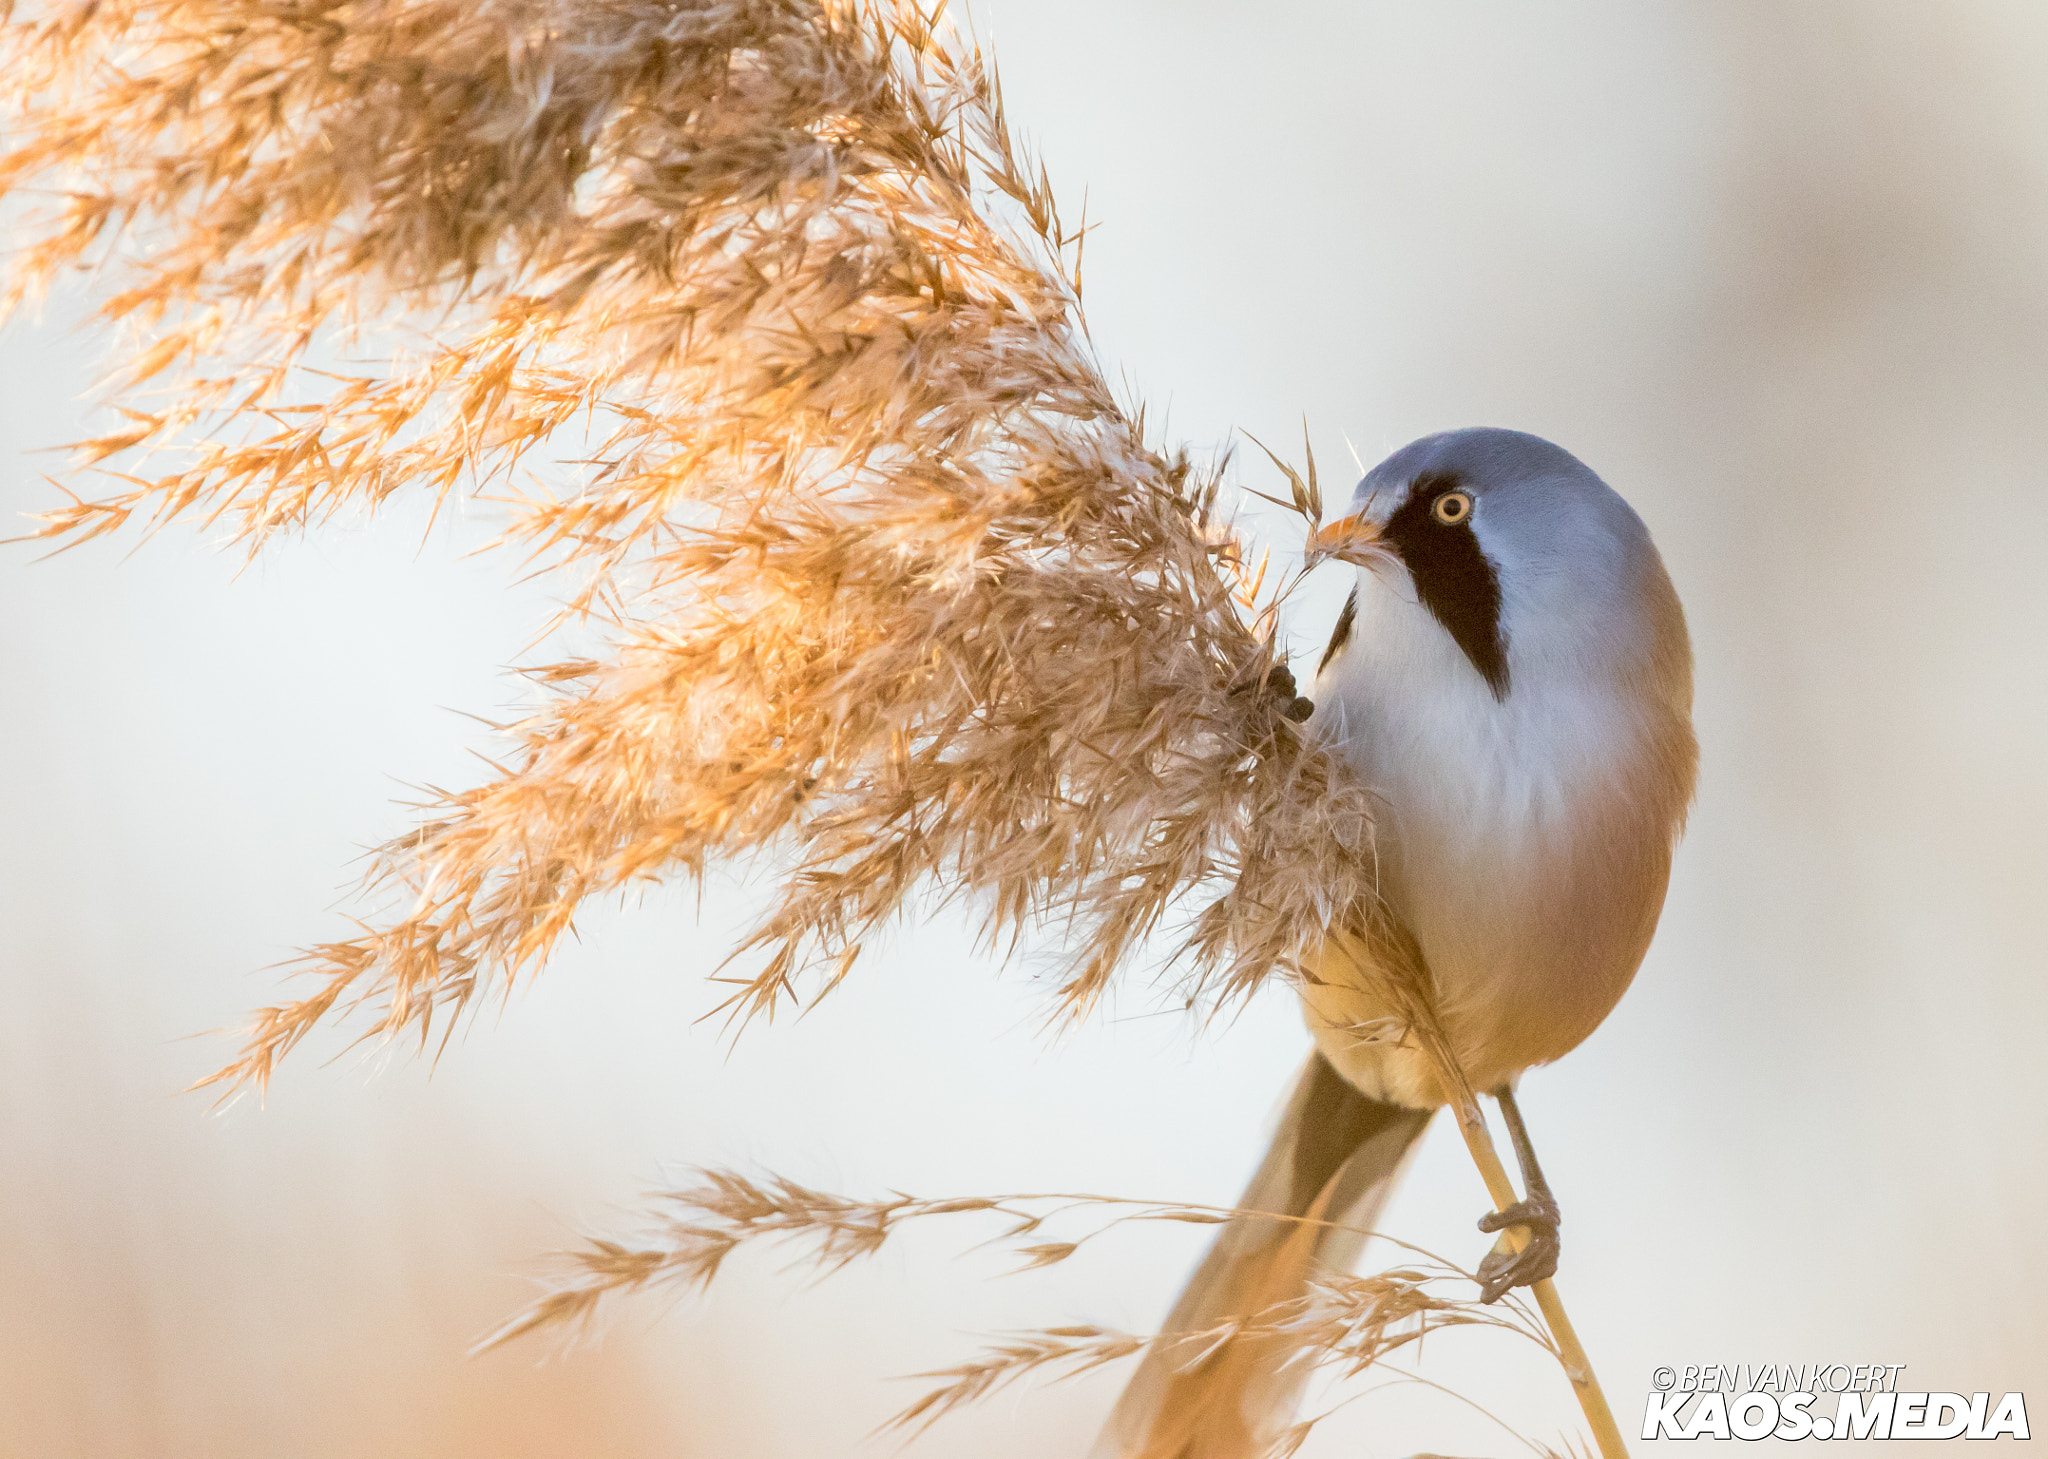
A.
pixel 1530 562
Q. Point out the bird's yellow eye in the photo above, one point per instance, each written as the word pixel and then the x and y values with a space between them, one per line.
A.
pixel 1452 508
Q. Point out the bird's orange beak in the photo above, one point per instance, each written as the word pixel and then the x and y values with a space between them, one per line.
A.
pixel 1350 539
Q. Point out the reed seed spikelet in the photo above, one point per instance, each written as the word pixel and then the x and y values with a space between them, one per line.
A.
pixel 769 340
pixel 1348 1324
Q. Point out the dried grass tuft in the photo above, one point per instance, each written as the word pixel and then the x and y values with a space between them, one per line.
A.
pixel 1347 1324
pixel 769 339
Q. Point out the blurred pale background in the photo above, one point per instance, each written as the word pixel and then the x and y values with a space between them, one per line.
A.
pixel 1779 271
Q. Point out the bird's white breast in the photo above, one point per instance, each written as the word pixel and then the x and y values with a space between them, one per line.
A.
pixel 1524 840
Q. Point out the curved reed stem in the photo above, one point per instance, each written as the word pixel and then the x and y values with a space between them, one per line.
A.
pixel 1571 1353
pixel 1379 949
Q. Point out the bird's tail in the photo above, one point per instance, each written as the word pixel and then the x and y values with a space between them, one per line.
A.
pixel 1334 1158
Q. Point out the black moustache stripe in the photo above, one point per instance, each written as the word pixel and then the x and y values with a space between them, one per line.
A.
pixel 1341 635
pixel 1452 577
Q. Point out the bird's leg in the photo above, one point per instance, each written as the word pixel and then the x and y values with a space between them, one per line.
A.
pixel 1503 1269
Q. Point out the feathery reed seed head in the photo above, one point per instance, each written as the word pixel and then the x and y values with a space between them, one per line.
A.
pixel 766 334
pixel 769 341
pixel 1349 1324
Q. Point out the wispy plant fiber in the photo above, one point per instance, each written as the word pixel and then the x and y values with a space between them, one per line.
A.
pixel 1347 1324
pixel 770 340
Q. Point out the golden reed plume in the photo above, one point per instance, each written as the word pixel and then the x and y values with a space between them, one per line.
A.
pixel 769 341
pixel 1342 1324
pixel 769 337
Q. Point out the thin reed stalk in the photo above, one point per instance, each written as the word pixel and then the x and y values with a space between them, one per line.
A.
pixel 1571 1353
pixel 1379 948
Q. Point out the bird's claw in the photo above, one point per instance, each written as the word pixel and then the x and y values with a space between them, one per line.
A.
pixel 1503 1270
pixel 1293 705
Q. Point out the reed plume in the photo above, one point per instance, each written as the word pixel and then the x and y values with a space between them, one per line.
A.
pixel 1345 1324
pixel 767 340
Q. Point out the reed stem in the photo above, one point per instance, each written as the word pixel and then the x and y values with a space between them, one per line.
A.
pixel 1578 1368
pixel 1387 960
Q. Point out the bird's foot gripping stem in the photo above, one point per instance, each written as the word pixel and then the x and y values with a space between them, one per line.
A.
pixel 1505 1268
